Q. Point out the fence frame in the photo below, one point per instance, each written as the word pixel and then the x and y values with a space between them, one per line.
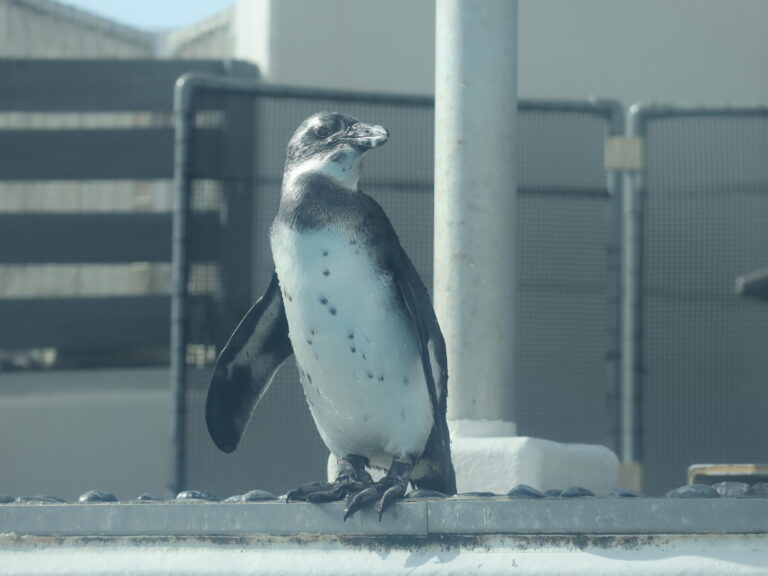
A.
pixel 190 84
pixel 639 116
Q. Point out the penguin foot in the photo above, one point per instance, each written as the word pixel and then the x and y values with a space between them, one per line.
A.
pixel 381 494
pixel 352 478
pixel 319 492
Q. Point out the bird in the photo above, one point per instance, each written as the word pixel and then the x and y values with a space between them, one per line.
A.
pixel 347 302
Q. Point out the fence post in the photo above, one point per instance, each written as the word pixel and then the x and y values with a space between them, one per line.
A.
pixel 631 361
pixel 475 202
pixel 182 111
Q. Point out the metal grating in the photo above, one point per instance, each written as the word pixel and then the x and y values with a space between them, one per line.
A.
pixel 565 237
pixel 704 349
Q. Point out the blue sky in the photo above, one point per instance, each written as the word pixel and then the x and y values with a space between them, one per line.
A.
pixel 153 14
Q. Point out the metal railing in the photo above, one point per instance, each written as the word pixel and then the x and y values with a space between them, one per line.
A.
pixel 695 354
pixel 568 258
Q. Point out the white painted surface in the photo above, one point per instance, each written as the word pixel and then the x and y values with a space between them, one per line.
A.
pixel 488 464
pixel 353 44
pixel 253 34
pixel 717 555
pixel 65 432
pixel 475 202
pixel 681 51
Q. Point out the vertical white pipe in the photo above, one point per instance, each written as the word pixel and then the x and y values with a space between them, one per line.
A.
pixel 475 202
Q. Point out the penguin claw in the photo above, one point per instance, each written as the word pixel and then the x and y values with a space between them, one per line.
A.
pixel 356 502
pixel 384 493
pixel 390 496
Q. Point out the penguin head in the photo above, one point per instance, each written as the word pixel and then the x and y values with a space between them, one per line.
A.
pixel 332 145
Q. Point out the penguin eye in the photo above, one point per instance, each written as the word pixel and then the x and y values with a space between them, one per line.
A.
pixel 322 132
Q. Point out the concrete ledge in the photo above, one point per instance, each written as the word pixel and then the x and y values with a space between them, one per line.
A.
pixel 454 536
pixel 454 516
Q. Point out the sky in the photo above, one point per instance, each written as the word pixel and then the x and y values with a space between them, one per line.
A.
pixel 153 14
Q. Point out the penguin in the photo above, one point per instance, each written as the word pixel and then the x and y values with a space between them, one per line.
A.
pixel 346 301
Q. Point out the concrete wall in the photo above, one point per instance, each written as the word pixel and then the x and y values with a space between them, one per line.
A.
pixel 65 432
pixel 353 44
pixel 672 50
pixel 212 38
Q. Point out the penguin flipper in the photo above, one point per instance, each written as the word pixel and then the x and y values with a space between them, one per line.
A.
pixel 435 365
pixel 245 368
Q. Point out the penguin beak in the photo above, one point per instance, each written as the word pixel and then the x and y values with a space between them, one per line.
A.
pixel 366 136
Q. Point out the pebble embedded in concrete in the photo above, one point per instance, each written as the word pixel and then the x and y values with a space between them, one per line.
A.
pixel 577 492
pixel 193 495
pixel 39 499
pixel 97 496
pixel 147 497
pixel 525 491
pixel 731 489
pixel 693 491
pixel 759 490
pixel 258 496
pixel 626 493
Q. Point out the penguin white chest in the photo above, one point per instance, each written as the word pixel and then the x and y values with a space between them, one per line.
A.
pixel 356 350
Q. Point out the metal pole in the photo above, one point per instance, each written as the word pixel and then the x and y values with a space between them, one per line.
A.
pixel 614 259
pixel 632 224
pixel 182 116
pixel 475 199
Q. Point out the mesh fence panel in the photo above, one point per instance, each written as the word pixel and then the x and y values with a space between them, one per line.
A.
pixel 564 233
pixel 705 349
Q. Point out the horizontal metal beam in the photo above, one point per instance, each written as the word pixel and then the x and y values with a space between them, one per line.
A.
pixel 27 238
pixel 143 154
pixel 101 85
pixel 85 323
pixel 194 83
pixel 123 154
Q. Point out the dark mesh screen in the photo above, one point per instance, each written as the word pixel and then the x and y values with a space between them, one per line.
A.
pixel 705 349
pixel 564 235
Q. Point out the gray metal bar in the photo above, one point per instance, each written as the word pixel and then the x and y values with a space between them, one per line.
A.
pixel 135 154
pixel 84 323
pixel 645 111
pixel 613 356
pixel 600 107
pixel 122 154
pixel 101 85
pixel 180 277
pixel 33 238
pixel 631 310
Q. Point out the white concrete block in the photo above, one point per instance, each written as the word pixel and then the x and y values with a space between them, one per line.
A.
pixel 488 458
